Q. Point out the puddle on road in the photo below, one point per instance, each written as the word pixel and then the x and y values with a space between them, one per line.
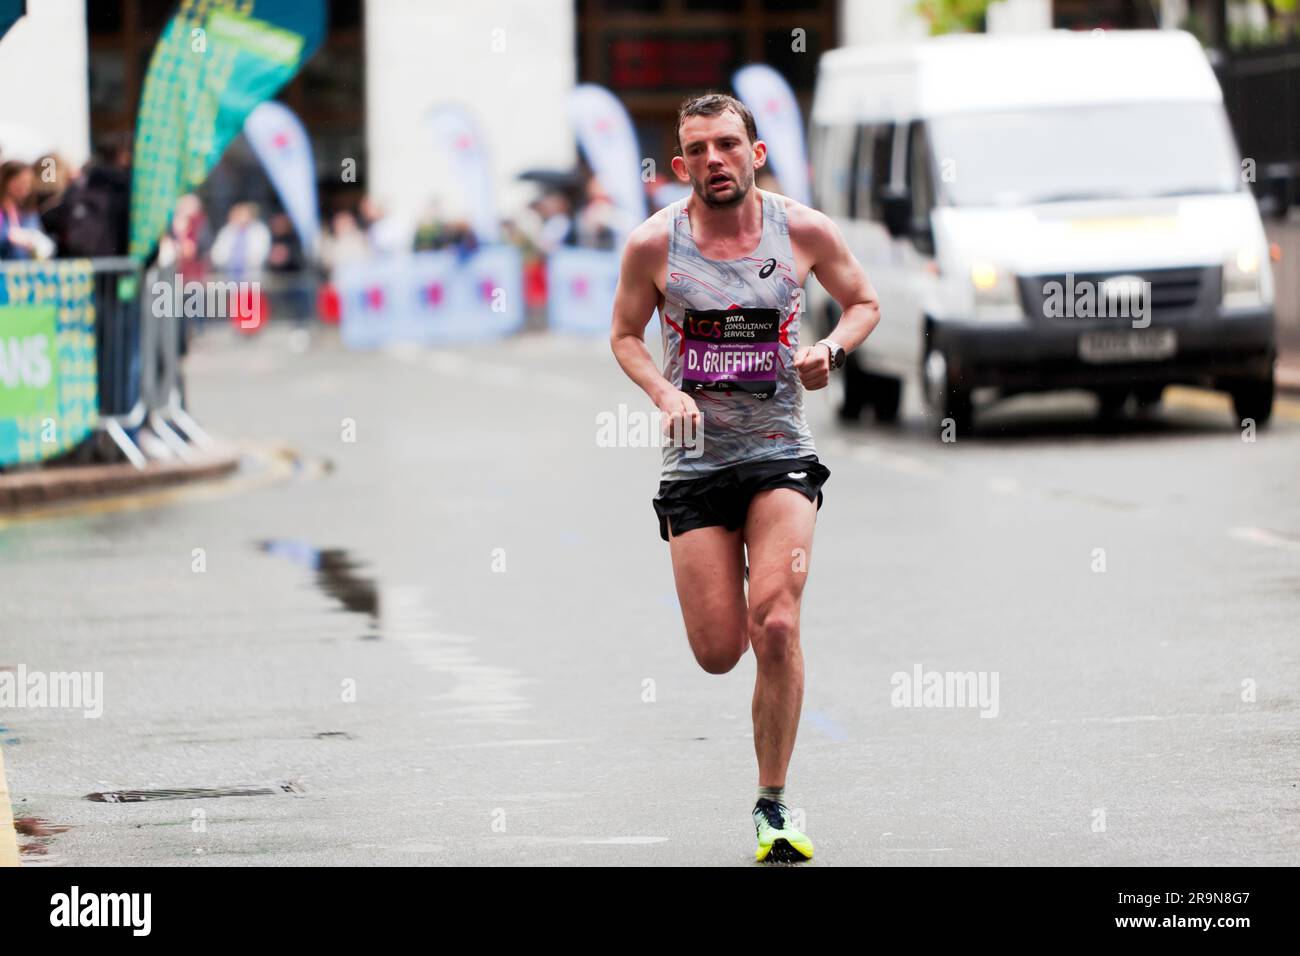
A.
pixel 198 793
pixel 335 575
pixel 39 834
pixel 405 614
pixel 37 827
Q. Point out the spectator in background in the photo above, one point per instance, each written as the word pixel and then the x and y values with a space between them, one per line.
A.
pixel 243 243
pixel 181 247
pixel 345 242
pixel 180 251
pixel 21 236
pixel 92 217
pixel 191 237
pixel 430 230
pixel 53 177
pixel 388 234
pixel 460 236
pixel 436 233
pixel 600 222
pixel 286 249
pixel 287 262
pixel 549 224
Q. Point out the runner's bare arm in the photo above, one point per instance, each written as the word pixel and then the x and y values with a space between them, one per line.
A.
pixel 635 300
pixel 841 275
pixel 818 242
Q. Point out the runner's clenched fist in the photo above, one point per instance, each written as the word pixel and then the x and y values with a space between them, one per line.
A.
pixel 681 417
pixel 814 365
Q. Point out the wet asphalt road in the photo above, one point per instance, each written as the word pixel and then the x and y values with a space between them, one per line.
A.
pixel 456 637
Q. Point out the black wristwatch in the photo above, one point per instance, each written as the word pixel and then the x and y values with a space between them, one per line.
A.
pixel 836 350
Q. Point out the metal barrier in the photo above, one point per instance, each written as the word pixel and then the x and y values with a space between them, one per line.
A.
pixel 117 346
pixel 139 369
pixel 285 296
pixel 140 341
pixel 117 335
pixel 292 295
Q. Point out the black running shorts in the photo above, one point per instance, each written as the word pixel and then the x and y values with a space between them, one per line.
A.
pixel 723 497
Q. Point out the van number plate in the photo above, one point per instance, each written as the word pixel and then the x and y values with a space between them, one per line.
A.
pixel 1136 345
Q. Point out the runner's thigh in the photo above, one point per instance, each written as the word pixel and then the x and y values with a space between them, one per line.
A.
pixel 778 536
pixel 709 568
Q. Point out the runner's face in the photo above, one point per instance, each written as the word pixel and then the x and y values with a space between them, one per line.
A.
pixel 718 159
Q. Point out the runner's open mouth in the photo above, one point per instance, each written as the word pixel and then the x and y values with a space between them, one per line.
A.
pixel 719 180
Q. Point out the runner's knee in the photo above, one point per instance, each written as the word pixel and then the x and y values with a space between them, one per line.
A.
pixel 774 631
pixel 717 662
pixel 717 656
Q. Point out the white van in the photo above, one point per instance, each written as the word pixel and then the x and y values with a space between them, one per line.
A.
pixel 1043 211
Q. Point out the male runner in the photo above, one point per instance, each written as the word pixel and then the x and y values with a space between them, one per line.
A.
pixel 725 267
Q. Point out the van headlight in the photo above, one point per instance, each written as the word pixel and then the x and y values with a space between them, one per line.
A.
pixel 997 297
pixel 1243 283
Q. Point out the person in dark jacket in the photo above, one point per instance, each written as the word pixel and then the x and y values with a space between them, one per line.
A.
pixel 94 217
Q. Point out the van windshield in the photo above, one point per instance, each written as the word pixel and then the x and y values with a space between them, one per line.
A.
pixel 1092 152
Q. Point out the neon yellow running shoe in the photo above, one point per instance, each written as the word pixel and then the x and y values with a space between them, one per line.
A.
pixel 778 840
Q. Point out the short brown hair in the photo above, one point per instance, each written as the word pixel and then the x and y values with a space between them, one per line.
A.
pixel 715 104
pixel 12 170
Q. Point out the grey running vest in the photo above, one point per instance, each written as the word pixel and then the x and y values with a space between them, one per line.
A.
pixel 730 333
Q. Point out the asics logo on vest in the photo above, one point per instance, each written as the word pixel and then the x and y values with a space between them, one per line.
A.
pixel 767 269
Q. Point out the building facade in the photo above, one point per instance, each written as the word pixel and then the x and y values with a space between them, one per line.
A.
pixel 367 94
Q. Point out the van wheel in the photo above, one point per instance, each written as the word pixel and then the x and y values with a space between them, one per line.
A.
pixel 855 394
pixel 886 393
pixel 1149 396
pixel 958 410
pixel 949 403
pixel 1111 402
pixel 1253 398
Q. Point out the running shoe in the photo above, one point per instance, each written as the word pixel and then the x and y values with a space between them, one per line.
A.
pixel 778 840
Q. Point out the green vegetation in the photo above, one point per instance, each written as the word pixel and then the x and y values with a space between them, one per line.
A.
pixel 957 16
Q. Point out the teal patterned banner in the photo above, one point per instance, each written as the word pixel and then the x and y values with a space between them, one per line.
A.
pixel 49 397
pixel 215 61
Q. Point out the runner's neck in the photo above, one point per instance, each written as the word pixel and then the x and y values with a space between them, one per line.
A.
pixel 710 225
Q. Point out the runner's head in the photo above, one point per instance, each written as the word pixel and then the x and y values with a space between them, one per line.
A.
pixel 719 149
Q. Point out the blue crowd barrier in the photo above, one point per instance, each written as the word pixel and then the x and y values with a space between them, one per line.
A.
pixel 431 298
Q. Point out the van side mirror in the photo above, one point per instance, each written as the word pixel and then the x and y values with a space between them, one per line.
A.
pixel 900 221
pixel 896 210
